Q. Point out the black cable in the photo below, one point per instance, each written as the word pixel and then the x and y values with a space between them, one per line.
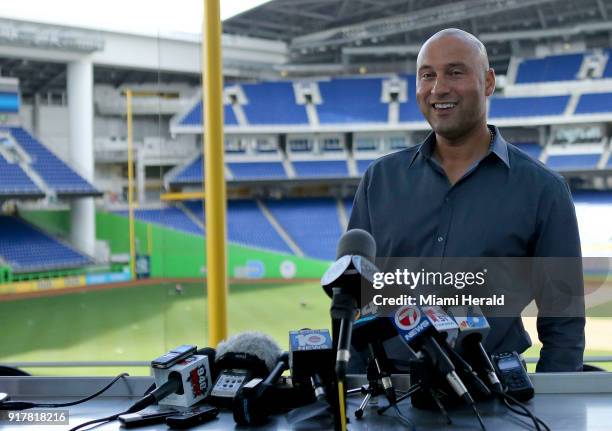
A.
pixel 482 426
pixel 24 405
pixel 101 420
pixel 526 412
pixel 404 419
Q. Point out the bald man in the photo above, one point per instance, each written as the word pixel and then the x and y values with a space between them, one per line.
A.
pixel 466 192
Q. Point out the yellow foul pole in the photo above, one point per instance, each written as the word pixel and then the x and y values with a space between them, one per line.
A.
pixel 212 84
pixel 128 101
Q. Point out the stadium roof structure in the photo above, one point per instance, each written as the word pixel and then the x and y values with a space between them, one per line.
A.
pixel 331 36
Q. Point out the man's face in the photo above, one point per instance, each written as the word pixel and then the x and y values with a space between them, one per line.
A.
pixel 452 86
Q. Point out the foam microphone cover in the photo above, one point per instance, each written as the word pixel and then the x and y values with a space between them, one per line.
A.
pixel 246 348
pixel 357 242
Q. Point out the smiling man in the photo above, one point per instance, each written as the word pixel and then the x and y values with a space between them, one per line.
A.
pixel 466 192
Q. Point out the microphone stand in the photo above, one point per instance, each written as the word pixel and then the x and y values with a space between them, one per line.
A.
pixel 342 312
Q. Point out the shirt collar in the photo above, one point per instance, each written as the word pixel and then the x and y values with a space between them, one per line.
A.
pixel 499 147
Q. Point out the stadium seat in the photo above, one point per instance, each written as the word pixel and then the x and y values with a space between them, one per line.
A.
pixel 409 110
pixel 272 103
pixel 257 170
pixel 14 181
pixel 573 161
pixel 513 107
pixel 312 223
pixel 593 103
pixel 322 168
pixel 25 248
pixel 54 172
pixel 194 116
pixel 171 217
pixel 548 69
pixel 352 100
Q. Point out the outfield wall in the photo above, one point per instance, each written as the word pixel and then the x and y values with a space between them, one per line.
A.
pixel 176 254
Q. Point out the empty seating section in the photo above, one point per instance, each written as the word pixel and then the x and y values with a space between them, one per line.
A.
pixel 312 223
pixel 14 181
pixel 553 68
pixel 531 148
pixel 254 170
pixel 25 248
pixel 56 174
pixel 594 103
pixel 409 110
pixel 247 225
pixel 194 117
pixel 362 165
pixel 348 207
pixel 170 217
pixel 190 174
pixel 355 100
pixel 324 168
pixel 592 197
pixel 573 161
pixel 273 103
pixel 513 107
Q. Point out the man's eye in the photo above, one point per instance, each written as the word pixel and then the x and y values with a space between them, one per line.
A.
pixel 456 72
pixel 426 76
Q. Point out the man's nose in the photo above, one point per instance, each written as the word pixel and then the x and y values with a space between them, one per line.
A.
pixel 440 86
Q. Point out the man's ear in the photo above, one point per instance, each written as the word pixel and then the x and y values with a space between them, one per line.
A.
pixel 489 81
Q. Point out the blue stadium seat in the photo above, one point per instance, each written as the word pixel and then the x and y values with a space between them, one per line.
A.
pixel 312 223
pixel 348 207
pixel 55 173
pixel 14 181
pixel 25 248
pixel 573 161
pixel 531 148
pixel 170 217
pixel 514 107
pixel 323 168
pixel 246 225
pixel 553 68
pixel 409 110
pixel 355 100
pixel 593 103
pixel 190 174
pixel 257 170
pixel 194 117
pixel 273 103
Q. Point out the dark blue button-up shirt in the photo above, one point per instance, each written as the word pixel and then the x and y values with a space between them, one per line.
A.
pixel 506 205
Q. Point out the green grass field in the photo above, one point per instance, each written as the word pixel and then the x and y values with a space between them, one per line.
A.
pixel 141 323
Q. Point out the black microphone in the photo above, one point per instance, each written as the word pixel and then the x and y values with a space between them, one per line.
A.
pixel 252 405
pixel 473 330
pixel 420 328
pixel 238 360
pixel 343 281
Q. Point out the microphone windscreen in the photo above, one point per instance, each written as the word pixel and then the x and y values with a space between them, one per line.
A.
pixel 358 242
pixel 253 343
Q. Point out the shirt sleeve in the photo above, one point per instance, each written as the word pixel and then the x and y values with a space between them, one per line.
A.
pixel 558 282
pixel 360 214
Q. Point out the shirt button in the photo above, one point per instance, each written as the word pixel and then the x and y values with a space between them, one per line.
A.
pixel 440 239
pixel 446 199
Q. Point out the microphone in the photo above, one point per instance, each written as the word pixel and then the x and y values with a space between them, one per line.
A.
pixel 311 359
pixel 251 405
pixel 419 327
pixel 473 330
pixel 342 282
pixel 239 359
pixel 183 384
